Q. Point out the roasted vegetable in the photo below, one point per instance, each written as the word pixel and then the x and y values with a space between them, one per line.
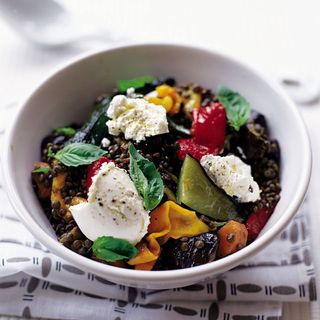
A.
pixel 209 124
pixel 94 130
pixel 168 97
pixel 43 185
pixel 208 132
pixel 257 221
pixel 232 237
pixel 251 143
pixel 196 191
pixel 190 252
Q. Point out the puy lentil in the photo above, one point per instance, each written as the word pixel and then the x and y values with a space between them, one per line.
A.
pixel 184 246
pixel 77 244
pixel 199 244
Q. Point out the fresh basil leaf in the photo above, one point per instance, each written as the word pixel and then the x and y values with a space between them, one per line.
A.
pixel 113 249
pixel 146 178
pixel 42 170
pixel 50 153
pixel 77 154
pixel 237 107
pixel 138 178
pixel 66 131
pixel 135 83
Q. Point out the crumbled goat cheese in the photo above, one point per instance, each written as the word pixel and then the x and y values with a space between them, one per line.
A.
pixel 105 142
pixel 232 175
pixel 136 118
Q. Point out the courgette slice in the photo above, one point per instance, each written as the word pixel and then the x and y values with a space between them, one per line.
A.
pixel 196 191
pixel 95 129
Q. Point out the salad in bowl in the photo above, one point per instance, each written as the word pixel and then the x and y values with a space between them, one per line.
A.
pixel 161 176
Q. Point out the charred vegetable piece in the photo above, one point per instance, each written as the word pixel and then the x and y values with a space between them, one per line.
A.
pixel 251 142
pixel 189 146
pixel 257 221
pixel 196 191
pixel 43 187
pixel 232 237
pixel 209 124
pixel 194 251
pixel 208 132
pixel 94 130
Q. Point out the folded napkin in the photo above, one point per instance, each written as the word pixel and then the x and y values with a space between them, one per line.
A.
pixel 36 283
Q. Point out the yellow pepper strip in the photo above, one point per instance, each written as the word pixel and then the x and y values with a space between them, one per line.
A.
pixel 58 183
pixel 167 97
pixel 163 90
pixel 167 221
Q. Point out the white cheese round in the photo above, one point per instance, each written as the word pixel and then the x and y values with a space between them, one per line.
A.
pixel 136 118
pixel 232 175
pixel 114 207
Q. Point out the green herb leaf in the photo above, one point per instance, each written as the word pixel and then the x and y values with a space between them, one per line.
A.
pixel 67 131
pixel 77 154
pixel 113 249
pixel 135 83
pixel 237 107
pixel 50 153
pixel 146 178
pixel 42 170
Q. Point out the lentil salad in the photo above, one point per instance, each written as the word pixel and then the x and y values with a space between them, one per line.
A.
pixel 200 125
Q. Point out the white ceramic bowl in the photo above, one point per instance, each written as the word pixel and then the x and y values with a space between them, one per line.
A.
pixel 67 96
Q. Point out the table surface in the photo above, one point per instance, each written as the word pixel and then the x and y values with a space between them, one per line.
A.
pixel 274 36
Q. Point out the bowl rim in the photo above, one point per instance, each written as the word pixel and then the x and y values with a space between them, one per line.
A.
pixel 159 277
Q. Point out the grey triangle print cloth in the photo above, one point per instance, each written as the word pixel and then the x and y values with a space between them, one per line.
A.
pixel 36 283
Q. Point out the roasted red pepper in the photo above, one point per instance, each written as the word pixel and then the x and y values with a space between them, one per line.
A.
pixel 93 169
pixel 208 132
pixel 257 221
pixel 197 151
pixel 209 124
